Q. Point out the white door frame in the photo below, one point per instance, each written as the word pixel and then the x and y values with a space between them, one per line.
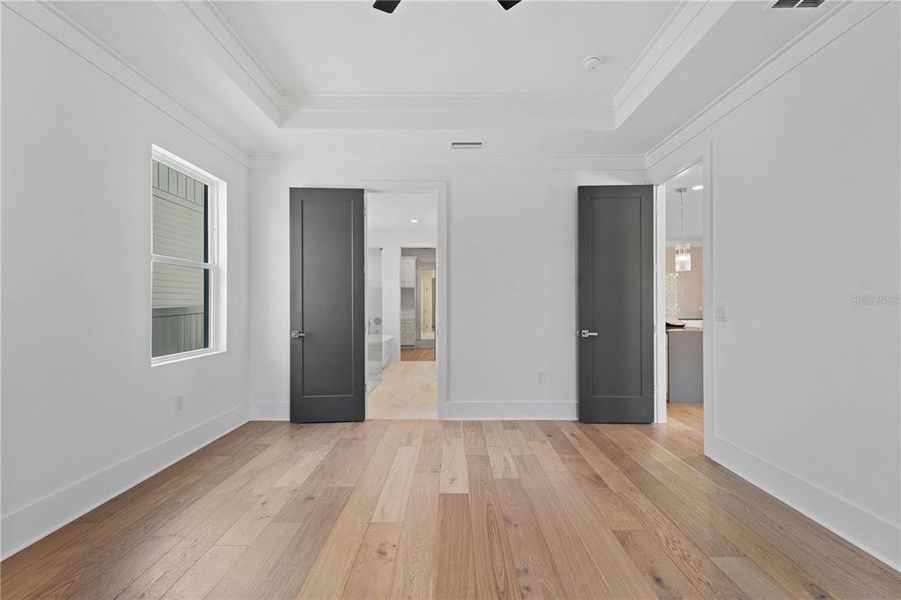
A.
pixel 705 159
pixel 441 334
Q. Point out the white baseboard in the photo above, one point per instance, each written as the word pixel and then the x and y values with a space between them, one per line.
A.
pixel 566 410
pixel 270 410
pixel 869 532
pixel 34 521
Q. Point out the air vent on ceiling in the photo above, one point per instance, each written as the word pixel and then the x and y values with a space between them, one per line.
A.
pixel 466 145
pixel 797 3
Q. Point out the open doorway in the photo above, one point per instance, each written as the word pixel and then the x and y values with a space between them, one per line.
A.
pixel 402 322
pixel 680 298
pixel 419 278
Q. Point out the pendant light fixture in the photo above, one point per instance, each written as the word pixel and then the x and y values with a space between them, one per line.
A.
pixel 683 249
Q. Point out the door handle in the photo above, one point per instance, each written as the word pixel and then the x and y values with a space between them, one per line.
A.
pixel 297 334
pixel 586 334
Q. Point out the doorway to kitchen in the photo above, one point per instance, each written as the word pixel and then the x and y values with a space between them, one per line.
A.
pixel 402 305
pixel 681 282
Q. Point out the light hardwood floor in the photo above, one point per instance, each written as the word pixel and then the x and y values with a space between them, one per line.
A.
pixel 408 390
pixel 413 509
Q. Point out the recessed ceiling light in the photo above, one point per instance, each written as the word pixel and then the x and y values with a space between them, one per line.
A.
pixel 414 220
pixel 698 187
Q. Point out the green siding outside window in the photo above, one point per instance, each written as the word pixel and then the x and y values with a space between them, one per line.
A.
pixel 180 292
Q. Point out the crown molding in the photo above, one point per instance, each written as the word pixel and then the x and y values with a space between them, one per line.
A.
pixel 428 118
pixel 58 26
pixel 447 102
pixel 688 24
pixel 836 22
pixel 626 163
pixel 641 59
pixel 448 111
pixel 211 32
pixel 208 31
pixel 265 76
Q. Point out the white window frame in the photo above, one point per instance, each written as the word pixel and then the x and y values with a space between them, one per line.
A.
pixel 216 265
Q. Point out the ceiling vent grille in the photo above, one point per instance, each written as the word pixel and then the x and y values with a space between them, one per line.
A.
pixel 797 3
pixel 466 145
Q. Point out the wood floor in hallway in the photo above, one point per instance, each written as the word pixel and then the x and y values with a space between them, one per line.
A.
pixel 408 390
pixel 419 509
pixel 414 354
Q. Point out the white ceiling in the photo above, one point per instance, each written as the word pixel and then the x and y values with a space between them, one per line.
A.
pixel 338 78
pixel 391 212
pixel 447 48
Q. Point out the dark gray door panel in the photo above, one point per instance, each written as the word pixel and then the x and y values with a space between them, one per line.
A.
pixel 616 278
pixel 327 318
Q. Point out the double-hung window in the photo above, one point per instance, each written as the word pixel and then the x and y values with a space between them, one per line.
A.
pixel 187 260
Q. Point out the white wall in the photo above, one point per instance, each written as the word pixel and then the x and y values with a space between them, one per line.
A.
pixel 84 414
pixel 805 204
pixel 511 279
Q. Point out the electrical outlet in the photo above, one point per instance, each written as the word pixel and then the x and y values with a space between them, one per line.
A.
pixel 179 402
pixel 542 377
pixel 720 314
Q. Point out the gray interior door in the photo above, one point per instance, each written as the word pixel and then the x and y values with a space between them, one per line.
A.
pixel 616 317
pixel 327 309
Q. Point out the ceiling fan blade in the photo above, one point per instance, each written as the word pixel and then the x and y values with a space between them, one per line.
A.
pixel 387 6
pixel 508 4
